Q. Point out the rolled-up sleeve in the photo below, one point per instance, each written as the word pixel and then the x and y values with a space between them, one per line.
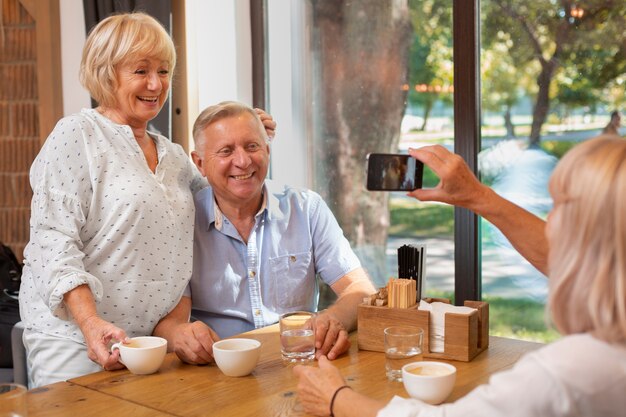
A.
pixel 56 221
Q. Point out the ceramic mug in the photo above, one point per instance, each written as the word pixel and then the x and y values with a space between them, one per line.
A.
pixel 429 381
pixel 237 357
pixel 143 355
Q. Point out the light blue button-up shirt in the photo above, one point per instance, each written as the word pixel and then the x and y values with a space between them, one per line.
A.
pixel 237 287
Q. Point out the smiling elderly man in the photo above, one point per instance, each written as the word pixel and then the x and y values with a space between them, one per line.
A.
pixel 258 246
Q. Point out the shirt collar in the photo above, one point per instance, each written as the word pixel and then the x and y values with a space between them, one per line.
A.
pixel 273 191
pixel 217 216
pixel 158 138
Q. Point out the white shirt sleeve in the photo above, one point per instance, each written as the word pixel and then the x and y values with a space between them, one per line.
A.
pixel 60 206
pixel 575 376
pixel 526 390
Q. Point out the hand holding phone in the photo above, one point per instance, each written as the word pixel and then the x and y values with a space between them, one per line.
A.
pixel 393 172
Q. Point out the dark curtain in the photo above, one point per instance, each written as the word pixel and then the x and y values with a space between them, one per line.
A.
pixel 97 10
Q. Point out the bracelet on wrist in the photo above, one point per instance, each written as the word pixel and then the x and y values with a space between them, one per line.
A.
pixel 332 401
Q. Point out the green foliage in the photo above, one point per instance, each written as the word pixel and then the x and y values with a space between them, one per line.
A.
pixel 616 92
pixel 581 82
pixel 520 319
pixel 430 55
pixel 430 179
pixel 420 71
pixel 557 147
pixel 410 217
pixel 501 78
pixel 577 92
pixel 515 318
pixel 586 53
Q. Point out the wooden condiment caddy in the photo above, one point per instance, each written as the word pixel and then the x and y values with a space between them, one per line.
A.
pixel 466 335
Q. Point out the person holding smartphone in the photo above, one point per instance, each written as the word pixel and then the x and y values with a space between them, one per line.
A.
pixel 459 186
pixel 582 374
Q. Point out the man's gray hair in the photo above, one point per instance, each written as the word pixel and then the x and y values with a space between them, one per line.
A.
pixel 222 111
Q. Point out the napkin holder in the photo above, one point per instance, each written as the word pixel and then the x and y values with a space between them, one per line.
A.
pixel 466 335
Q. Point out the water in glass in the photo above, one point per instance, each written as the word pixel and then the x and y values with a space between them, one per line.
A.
pixel 396 358
pixel 298 344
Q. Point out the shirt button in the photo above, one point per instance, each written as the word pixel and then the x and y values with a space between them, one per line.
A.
pixel 257 312
pixel 292 258
pixel 252 274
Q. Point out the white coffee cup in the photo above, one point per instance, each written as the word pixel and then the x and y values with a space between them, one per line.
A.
pixel 143 355
pixel 236 357
pixel 429 381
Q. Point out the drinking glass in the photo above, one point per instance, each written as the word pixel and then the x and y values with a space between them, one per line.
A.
pixel 403 344
pixel 297 336
pixel 12 400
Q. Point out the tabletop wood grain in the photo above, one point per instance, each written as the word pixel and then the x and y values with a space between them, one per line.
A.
pixel 67 399
pixel 188 390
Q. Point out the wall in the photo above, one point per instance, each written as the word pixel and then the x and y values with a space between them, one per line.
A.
pixel 219 62
pixel 75 97
pixel 289 67
pixel 19 133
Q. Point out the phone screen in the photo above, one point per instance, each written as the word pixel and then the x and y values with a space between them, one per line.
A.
pixel 393 172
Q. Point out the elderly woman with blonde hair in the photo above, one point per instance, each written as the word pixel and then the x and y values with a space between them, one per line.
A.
pixel 582 374
pixel 110 250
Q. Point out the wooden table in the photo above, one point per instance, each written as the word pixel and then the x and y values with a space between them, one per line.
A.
pixel 187 390
pixel 67 399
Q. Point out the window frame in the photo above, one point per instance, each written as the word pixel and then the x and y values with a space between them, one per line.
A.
pixel 466 50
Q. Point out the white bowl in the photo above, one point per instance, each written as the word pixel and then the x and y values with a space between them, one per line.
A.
pixel 236 357
pixel 433 384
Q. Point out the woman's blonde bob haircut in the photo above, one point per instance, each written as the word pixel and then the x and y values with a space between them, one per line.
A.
pixel 587 230
pixel 116 40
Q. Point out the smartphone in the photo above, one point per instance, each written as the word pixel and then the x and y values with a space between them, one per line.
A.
pixel 393 172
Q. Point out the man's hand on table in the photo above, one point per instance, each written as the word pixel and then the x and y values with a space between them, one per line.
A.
pixel 331 337
pixel 193 343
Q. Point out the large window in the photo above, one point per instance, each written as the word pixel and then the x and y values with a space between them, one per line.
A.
pixel 552 72
pixel 351 77
pixel 371 76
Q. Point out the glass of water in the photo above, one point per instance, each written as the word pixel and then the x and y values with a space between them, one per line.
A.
pixel 403 344
pixel 297 336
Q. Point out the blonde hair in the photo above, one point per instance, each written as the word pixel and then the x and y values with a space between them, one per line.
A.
pixel 116 40
pixel 587 259
pixel 221 111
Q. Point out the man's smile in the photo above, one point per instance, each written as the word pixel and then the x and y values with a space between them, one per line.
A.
pixel 243 177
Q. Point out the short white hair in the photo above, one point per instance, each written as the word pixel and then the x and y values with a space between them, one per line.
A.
pixel 222 111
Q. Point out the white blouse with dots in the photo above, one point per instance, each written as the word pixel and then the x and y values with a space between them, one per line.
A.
pixel 101 217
